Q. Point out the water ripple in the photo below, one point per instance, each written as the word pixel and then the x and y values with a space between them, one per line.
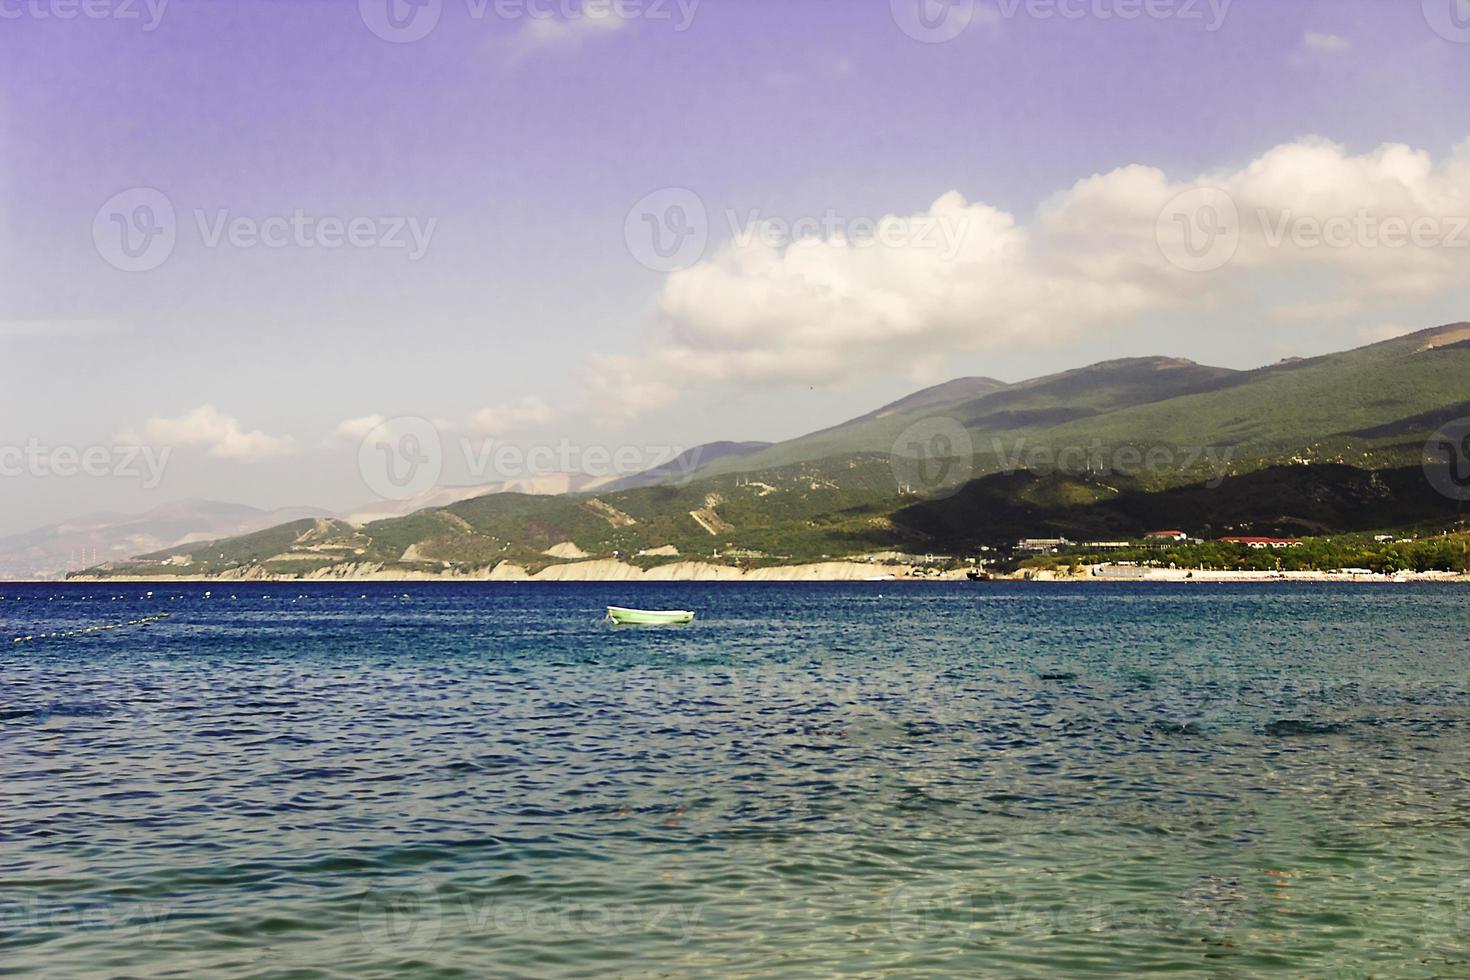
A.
pixel 812 780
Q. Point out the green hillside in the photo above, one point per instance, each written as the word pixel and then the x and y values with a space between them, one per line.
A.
pixel 1316 446
pixel 1388 396
pixel 1009 411
pixel 1323 405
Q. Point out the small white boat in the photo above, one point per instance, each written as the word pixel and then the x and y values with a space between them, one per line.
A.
pixel 647 617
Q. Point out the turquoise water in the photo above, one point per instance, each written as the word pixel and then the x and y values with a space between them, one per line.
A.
pixel 877 779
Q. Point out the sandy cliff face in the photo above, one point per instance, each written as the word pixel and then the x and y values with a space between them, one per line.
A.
pixel 828 571
pixel 693 571
pixel 607 570
pixel 597 570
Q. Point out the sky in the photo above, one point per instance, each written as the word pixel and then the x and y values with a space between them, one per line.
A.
pixel 247 244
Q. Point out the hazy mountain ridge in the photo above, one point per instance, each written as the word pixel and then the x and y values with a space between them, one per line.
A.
pixel 52 551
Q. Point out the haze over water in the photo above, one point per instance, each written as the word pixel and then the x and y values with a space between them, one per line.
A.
pixel 1003 780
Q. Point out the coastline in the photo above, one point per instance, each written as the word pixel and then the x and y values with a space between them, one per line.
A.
pixel 612 570
pixel 596 570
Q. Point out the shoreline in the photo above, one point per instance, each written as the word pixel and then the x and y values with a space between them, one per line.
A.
pixel 611 570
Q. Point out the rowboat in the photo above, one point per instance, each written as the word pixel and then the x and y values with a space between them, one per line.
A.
pixel 645 617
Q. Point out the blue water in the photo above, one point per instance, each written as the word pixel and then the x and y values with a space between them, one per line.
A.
pixel 878 779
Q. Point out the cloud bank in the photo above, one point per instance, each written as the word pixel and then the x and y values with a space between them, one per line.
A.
pixel 1305 230
pixel 220 435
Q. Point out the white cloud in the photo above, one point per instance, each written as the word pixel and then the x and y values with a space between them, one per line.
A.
pixel 1383 331
pixel 358 429
pixel 615 390
pixel 511 417
pixel 1324 311
pixel 539 34
pixel 221 435
pixel 1325 43
pixel 1090 260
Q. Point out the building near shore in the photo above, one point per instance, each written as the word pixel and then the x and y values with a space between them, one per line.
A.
pixel 1261 543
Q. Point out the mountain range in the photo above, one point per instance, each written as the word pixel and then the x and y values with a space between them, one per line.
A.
pixel 52 551
pixel 1317 445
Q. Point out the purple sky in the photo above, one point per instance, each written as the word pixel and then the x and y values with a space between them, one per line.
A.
pixel 527 144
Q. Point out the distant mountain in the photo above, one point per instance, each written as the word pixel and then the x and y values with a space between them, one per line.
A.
pixel 686 463
pixel 52 551
pixel 1324 444
pixel 1320 405
pixel 1091 391
pixel 548 485
pixel 997 409
pixel 954 392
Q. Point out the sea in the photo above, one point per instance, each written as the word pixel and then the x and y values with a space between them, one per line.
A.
pixel 871 780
